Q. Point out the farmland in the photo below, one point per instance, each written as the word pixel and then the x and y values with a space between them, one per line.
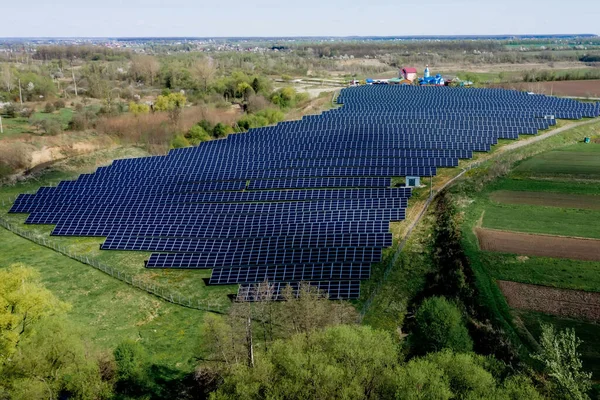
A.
pixel 584 88
pixel 212 200
pixel 532 220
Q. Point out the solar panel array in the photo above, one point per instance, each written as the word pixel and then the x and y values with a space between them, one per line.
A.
pixel 308 200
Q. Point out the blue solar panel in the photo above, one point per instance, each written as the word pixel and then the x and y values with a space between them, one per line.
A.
pixel 306 200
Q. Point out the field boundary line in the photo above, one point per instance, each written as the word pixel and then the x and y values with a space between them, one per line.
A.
pixel 171 297
pixel 435 191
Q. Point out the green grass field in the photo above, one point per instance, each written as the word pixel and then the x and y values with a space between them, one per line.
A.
pixel 545 220
pixel 109 311
pixel 20 126
pixel 581 161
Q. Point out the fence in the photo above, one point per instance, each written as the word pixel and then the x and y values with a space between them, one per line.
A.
pixel 165 294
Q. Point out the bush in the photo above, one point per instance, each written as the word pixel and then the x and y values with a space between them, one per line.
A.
pixel 440 325
pixel 49 108
pixel 197 135
pixel 59 104
pixel 221 130
pixel 138 108
pixel 83 120
pixel 78 107
pixel 48 126
pixel 256 103
pixel 27 112
pixel 10 110
pixel 179 142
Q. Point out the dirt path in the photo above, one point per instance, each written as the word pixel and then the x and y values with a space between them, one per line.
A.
pixel 561 302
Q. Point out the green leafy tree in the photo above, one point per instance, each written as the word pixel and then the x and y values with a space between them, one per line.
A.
pixel 562 362
pixel 132 369
pixel 23 302
pixel 173 103
pixel 439 325
pixel 448 375
pixel 197 135
pixel 221 130
pixel 343 362
pixel 41 354
pixel 138 108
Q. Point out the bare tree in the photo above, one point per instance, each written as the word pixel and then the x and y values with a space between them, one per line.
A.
pixel 204 70
pixel 6 77
pixel 144 67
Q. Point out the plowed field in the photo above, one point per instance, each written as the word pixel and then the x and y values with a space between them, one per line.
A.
pixel 586 88
pixel 539 245
pixel 561 302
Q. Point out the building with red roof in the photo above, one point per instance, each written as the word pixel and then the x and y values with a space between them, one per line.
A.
pixel 409 73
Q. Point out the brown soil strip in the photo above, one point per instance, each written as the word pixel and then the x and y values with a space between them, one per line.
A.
pixel 561 302
pixel 539 245
pixel 547 199
pixel 584 88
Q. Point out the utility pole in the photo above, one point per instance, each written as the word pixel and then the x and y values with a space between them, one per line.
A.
pixel 20 92
pixel 1 127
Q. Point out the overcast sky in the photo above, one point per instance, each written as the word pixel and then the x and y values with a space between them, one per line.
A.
pixel 114 18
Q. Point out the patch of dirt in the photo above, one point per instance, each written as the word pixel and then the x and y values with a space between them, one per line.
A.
pixel 547 199
pixel 585 88
pixel 561 302
pixel 538 245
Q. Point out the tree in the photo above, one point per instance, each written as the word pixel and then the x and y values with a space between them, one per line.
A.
pixel 138 108
pixel 7 77
pixel 173 103
pixel 132 365
pixel 54 361
pixel 204 71
pixel 145 68
pixel 41 354
pixel 23 302
pixel 244 90
pixel 448 375
pixel 562 362
pixel 343 362
pixel 197 135
pixel 439 325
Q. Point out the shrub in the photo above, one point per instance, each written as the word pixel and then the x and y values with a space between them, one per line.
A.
pixel 138 108
pixel 10 110
pixel 49 108
pixel 78 107
pixel 197 135
pixel 27 112
pixel 59 104
pixel 221 130
pixel 256 103
pixel 83 120
pixel 179 142
pixel 440 325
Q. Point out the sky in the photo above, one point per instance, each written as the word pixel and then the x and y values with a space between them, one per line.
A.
pixel 243 18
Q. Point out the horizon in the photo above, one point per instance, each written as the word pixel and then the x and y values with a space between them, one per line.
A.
pixel 312 18
pixel 398 37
